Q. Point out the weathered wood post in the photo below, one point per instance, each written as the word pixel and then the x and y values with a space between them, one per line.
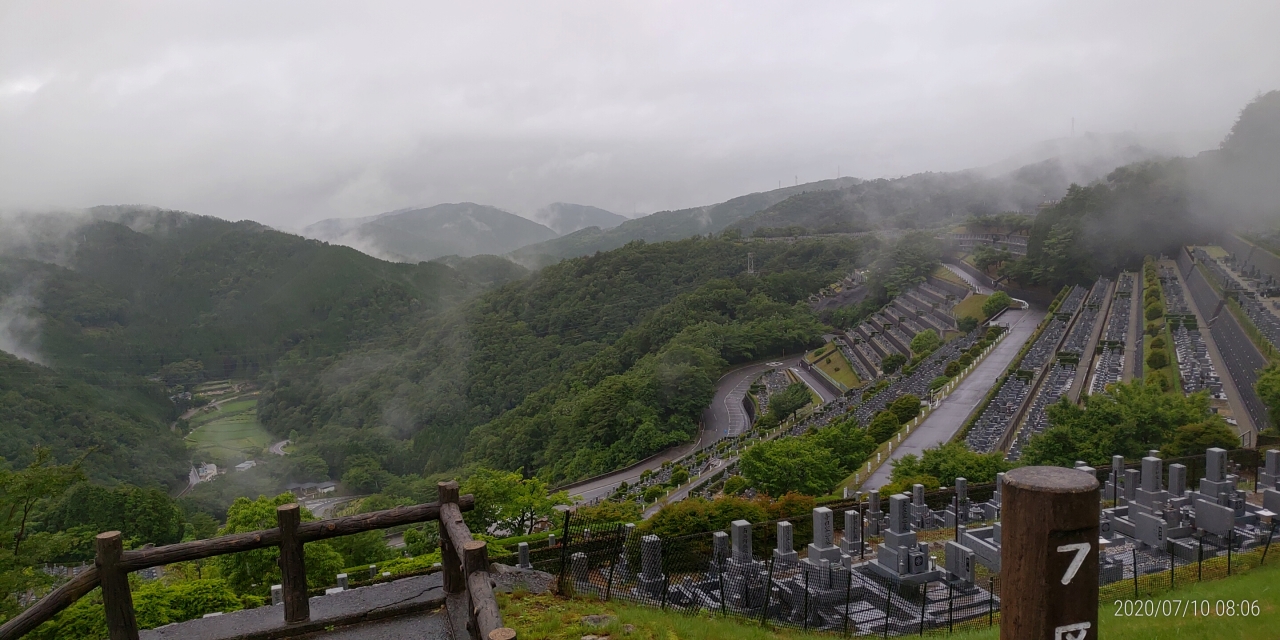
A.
pixel 116 598
pixel 449 556
pixel 293 568
pixel 1049 555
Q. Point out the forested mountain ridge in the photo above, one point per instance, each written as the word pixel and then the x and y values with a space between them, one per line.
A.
pixel 232 295
pixel 1155 207
pixel 664 225
pixel 564 217
pixel 121 430
pixel 552 338
pixel 413 235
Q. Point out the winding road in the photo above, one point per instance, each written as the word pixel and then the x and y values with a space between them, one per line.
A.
pixel 724 418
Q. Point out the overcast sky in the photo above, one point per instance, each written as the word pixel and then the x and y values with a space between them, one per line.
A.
pixel 289 112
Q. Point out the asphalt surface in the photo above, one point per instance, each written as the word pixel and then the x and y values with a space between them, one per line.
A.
pixel 278 448
pixel 978 286
pixel 1243 360
pixel 950 416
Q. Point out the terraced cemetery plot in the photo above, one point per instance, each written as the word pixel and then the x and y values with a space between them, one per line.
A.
pixel 837 366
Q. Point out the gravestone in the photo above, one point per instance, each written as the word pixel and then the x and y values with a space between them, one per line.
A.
pixel 785 553
pixel 823 546
pixel 651 579
pixel 740 540
pixel 961 562
pixel 1177 480
pixel 1269 473
pixel 524 563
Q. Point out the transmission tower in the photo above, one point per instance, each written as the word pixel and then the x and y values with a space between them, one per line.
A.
pixel 751 263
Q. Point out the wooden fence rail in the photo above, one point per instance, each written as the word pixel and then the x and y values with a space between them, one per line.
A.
pixel 113 564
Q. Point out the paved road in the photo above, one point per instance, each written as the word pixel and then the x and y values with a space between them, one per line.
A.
pixel 278 448
pixel 814 382
pixel 951 414
pixel 322 507
pixel 967 277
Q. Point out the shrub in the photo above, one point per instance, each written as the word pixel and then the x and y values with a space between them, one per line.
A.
pixel 892 362
pixel 952 369
pixel 998 302
pixel 653 493
pixel 1152 329
pixel 967 324
pixel 883 426
pixel 905 407
pixel 966 359
pixel 1154 311
pixel 735 485
pixel 925 342
pixel 1158 342
pixel 1157 359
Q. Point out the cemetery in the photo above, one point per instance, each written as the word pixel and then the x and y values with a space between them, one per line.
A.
pixel 915 563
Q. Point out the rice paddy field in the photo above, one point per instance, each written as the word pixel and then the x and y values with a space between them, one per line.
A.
pixel 230 435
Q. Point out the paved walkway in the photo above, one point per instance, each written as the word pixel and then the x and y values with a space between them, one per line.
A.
pixel 950 416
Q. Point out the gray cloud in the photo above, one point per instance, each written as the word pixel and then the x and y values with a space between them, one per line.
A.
pixel 290 112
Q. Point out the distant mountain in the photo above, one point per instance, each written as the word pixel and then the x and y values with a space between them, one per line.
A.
pixel 664 225
pixel 567 218
pixel 417 235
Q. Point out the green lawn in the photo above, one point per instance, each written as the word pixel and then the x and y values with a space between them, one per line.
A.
pixel 837 366
pixel 971 306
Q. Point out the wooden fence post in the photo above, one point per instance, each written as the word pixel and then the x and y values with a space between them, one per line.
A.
pixel 293 569
pixel 1049 555
pixel 116 599
pixel 454 582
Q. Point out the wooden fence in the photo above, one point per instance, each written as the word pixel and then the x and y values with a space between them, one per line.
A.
pixel 465 561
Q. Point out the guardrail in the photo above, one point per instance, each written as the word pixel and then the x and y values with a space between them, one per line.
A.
pixel 465 562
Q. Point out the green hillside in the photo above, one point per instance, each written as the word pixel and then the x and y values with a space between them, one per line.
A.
pixel 119 423
pixel 551 340
pixel 1153 208
pixel 664 225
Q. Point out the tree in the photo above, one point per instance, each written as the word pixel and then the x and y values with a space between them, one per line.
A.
pixel 1193 439
pixel 735 485
pixel 947 462
pixel 1268 387
pixel 966 324
pixel 952 369
pixel 892 362
pixel 255 571
pixel 1153 311
pixel 848 442
pixel 883 426
pixel 905 407
pixel 507 501
pixel 1128 420
pixel 776 467
pixel 996 303
pixel 1157 359
pixel 925 343
pixel 21 491
pixel 699 515
pixel 420 542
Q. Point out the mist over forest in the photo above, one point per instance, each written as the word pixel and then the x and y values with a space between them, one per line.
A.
pixel 583 260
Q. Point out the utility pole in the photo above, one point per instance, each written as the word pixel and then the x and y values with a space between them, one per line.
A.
pixel 751 263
